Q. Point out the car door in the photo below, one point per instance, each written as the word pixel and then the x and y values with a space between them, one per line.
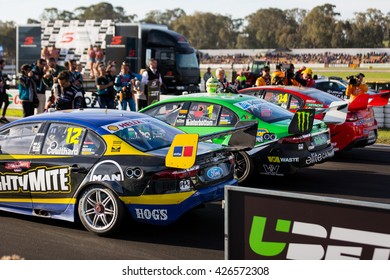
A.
pixel 16 142
pixel 64 155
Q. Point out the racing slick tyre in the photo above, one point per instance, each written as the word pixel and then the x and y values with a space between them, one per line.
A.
pixel 243 168
pixel 100 210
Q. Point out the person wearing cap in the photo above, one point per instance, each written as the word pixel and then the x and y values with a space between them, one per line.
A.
pixel 240 81
pixel 265 78
pixel 304 77
pixel 278 77
pixel 206 76
pixel 212 85
pixel 356 87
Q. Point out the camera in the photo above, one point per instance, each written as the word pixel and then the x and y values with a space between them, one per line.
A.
pixel 6 79
pixel 352 80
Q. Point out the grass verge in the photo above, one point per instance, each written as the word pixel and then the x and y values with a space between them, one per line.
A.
pixel 383 136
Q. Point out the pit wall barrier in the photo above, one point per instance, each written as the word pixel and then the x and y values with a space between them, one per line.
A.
pixel 382 116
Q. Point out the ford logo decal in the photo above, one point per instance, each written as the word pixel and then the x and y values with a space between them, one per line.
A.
pixel 215 173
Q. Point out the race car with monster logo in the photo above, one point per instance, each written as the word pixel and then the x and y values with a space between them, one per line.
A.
pixel 360 128
pixel 97 165
pixel 282 145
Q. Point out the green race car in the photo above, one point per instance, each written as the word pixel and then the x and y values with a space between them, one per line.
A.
pixel 278 149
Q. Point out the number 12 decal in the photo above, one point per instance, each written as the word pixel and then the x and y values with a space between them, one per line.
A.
pixel 73 135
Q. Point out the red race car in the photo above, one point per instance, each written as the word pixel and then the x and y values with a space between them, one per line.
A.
pixel 360 127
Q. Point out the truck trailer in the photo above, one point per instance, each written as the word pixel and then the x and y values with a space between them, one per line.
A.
pixel 133 43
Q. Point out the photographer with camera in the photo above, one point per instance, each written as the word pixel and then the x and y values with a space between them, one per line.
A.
pixel 27 90
pixel 124 84
pixel 105 87
pixel 355 86
pixel 3 92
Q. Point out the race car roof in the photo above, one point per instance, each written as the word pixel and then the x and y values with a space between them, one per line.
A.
pixel 87 117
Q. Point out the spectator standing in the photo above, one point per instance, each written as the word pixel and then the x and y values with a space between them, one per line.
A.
pixel 142 101
pixel 356 86
pixel 304 77
pixel 54 52
pixel 3 93
pixel 27 90
pixel 265 78
pixel 67 96
pixel 53 69
pixel 278 77
pixel 206 76
pixel 99 56
pixel 91 61
pixel 124 84
pixel 152 77
pixel 45 53
pixel 77 78
pixel 290 76
pixel 240 82
pixel 39 71
pixel 105 88
pixel 223 82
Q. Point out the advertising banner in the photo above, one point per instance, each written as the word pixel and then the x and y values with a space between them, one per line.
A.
pixel 269 225
pixel 153 91
pixel 29 44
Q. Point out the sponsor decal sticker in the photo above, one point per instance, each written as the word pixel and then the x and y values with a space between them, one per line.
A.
pixel 107 170
pixel 39 180
pixel 303 120
pixel 355 241
pixel 17 166
pixel 271 169
pixel 183 151
pixel 152 214
pixel 215 172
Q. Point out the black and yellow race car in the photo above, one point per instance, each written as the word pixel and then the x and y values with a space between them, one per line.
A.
pixel 95 165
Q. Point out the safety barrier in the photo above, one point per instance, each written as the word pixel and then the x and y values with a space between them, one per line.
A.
pixel 382 116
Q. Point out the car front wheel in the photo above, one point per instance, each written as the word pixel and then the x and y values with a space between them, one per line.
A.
pixel 100 210
pixel 243 167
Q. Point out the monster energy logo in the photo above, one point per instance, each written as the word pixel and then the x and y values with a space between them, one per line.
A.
pixel 303 120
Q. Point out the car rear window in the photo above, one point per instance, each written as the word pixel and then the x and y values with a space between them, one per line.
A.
pixel 323 97
pixel 264 110
pixel 144 134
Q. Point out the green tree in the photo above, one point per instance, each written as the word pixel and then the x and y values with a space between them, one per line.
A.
pixel 207 30
pixel 318 27
pixel 271 28
pixel 166 18
pixel 8 39
pixel 369 29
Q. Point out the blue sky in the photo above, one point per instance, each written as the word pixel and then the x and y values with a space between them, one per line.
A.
pixel 20 10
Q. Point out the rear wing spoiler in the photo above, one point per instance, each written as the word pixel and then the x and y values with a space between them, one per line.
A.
pixel 363 100
pixel 184 147
pixel 243 135
pixel 336 113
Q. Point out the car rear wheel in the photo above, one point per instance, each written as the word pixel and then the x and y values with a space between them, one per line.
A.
pixel 100 210
pixel 243 168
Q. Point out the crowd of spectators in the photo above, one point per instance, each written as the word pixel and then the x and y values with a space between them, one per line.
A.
pixel 290 57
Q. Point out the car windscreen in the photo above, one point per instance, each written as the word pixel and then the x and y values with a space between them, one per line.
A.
pixel 145 134
pixel 264 110
pixel 323 97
